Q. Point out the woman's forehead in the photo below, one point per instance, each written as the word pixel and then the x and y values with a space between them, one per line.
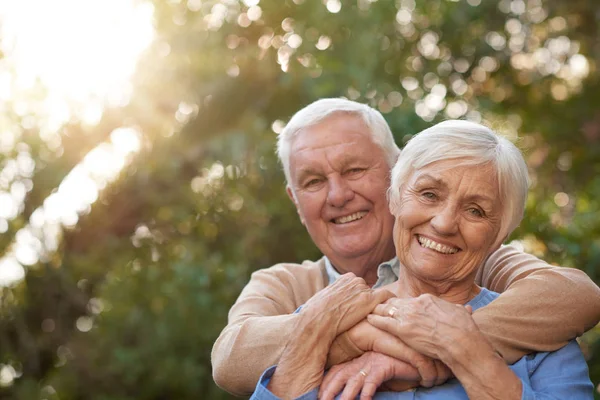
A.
pixel 478 178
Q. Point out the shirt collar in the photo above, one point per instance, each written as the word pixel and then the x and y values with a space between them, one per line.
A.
pixel 387 272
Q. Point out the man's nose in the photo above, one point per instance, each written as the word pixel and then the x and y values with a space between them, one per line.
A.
pixel 339 192
pixel 445 220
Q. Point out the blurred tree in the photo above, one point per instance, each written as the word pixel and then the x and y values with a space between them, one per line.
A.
pixel 129 304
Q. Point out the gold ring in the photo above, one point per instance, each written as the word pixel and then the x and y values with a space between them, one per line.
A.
pixel 363 373
pixel 392 312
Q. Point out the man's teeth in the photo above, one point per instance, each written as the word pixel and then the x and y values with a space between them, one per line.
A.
pixel 440 248
pixel 350 218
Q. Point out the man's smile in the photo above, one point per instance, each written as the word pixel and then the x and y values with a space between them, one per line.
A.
pixel 349 218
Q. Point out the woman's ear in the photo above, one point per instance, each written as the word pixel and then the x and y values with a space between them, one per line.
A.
pixel 498 243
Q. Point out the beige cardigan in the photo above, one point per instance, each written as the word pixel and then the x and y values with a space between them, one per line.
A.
pixel 541 308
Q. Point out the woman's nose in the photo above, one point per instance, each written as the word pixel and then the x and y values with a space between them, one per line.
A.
pixel 445 221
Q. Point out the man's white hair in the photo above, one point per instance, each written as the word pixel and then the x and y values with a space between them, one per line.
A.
pixel 469 144
pixel 317 111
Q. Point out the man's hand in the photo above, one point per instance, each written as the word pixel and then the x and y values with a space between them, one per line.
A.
pixel 365 374
pixel 344 303
pixel 330 312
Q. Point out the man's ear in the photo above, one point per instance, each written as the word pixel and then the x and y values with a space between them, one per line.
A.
pixel 290 194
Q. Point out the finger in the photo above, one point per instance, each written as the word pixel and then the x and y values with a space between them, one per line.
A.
pixel 386 309
pixel 382 295
pixel 330 375
pixel 413 367
pixel 368 390
pixel 440 378
pixel 394 347
pixel 334 382
pixel 377 375
pixel 469 309
pixel 353 387
pixel 443 373
pixel 427 370
pixel 424 369
pixel 387 324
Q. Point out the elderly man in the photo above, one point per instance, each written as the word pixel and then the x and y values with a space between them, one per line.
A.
pixel 337 155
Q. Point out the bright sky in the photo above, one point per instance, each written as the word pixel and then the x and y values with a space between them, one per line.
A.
pixel 64 59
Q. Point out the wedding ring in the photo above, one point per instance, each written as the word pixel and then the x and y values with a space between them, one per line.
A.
pixel 363 373
pixel 392 312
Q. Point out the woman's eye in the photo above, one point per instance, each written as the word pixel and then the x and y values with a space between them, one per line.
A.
pixel 429 195
pixel 476 212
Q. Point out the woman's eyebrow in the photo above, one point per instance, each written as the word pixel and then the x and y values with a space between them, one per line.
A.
pixel 426 178
pixel 480 198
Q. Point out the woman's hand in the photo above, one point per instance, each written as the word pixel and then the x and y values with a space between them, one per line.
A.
pixel 426 323
pixel 447 332
pixel 365 374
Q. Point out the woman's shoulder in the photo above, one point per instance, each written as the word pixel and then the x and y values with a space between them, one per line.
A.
pixel 482 299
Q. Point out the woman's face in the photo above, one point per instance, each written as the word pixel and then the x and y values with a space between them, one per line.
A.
pixel 448 221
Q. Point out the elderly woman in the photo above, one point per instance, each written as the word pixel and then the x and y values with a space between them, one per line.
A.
pixel 457 192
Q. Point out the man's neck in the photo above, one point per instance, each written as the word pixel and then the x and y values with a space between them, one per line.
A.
pixel 362 267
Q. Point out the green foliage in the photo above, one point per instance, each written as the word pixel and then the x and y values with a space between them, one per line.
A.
pixel 130 303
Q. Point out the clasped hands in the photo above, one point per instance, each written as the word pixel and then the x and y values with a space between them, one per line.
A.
pixel 404 340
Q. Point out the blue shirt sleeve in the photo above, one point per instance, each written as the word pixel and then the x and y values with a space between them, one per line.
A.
pixel 262 393
pixel 561 374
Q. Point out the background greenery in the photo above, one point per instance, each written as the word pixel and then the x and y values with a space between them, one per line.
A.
pixel 153 266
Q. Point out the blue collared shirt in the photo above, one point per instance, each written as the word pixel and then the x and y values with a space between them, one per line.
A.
pixel 561 374
pixel 387 272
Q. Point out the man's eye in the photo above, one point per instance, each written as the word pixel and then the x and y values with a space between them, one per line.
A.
pixel 312 182
pixel 429 195
pixel 355 170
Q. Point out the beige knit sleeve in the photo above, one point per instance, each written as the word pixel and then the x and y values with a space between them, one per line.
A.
pixel 259 323
pixel 541 307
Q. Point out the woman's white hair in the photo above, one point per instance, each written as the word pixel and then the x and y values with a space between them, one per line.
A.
pixel 321 109
pixel 469 144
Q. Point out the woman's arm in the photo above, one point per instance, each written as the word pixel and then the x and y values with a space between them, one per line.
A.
pixel 447 332
pixel 541 307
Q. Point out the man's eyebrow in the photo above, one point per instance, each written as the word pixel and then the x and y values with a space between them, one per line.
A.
pixel 304 172
pixel 348 159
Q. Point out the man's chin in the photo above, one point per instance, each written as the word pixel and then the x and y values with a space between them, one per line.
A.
pixel 349 253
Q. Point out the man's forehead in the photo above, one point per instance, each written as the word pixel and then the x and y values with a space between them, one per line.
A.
pixel 340 152
pixel 317 137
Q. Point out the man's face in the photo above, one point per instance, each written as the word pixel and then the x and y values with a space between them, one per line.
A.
pixel 339 177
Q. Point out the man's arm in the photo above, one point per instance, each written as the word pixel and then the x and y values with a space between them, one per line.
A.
pixel 541 307
pixel 260 323
pixel 330 312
